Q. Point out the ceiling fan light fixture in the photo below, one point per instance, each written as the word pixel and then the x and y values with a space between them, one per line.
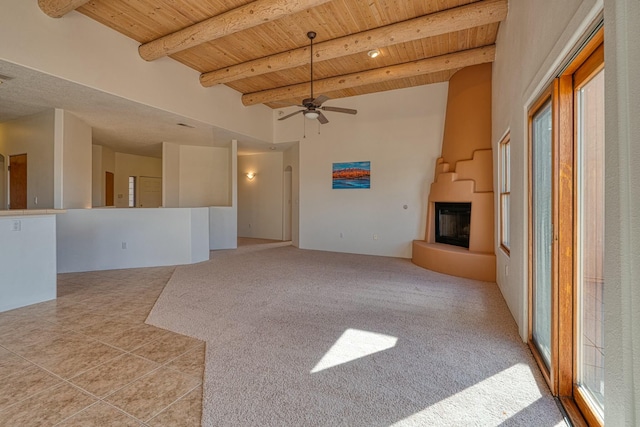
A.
pixel 373 53
pixel 311 115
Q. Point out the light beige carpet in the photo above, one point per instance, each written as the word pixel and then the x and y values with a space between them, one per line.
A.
pixel 309 338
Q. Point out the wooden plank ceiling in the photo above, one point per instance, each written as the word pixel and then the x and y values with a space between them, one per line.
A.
pixel 260 48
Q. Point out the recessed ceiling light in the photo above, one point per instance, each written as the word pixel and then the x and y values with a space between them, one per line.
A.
pixel 373 53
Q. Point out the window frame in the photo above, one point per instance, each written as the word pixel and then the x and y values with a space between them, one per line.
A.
pixel 550 374
pixel 504 149
pixel 588 65
pixel 132 198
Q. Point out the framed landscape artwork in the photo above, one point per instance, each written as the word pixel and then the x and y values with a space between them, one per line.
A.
pixel 351 175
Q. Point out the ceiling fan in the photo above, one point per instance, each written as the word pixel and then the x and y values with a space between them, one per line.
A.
pixel 313 106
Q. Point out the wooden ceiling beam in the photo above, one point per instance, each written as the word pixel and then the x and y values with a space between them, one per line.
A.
pixel 410 69
pixel 59 8
pixel 233 21
pixel 448 21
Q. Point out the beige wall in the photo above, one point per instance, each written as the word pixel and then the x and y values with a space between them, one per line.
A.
pixel 260 199
pixel 204 176
pixel 291 157
pixel 127 165
pixel 195 176
pixel 170 175
pixel 33 135
pixel 97 186
pixel 622 213
pixel 103 160
pixel 58 148
pixel 401 135
pixel 74 167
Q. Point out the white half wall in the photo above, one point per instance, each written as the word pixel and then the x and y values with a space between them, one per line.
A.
pixel 106 239
pixel 401 135
pixel 532 43
pixel 223 227
pixel 260 199
pixel 27 260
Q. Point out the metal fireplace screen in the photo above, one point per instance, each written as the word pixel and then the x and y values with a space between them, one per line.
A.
pixel 453 223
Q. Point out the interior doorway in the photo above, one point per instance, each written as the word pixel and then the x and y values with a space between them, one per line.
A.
pixel 287 204
pixel 108 191
pixel 3 184
pixel 18 181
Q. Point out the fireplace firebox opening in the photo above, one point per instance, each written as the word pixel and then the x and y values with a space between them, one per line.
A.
pixel 453 223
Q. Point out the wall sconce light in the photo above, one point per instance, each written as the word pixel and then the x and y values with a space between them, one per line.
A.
pixel 250 175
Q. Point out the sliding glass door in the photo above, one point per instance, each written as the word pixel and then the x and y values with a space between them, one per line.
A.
pixel 566 233
pixel 542 230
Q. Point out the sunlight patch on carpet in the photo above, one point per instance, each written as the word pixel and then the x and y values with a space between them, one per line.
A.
pixel 498 397
pixel 354 344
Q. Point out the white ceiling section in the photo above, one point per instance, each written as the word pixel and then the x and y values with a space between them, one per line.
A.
pixel 117 123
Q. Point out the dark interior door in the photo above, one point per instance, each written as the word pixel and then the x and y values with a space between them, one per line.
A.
pixel 109 189
pixel 18 181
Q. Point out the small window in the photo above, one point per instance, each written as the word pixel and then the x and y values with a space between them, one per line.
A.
pixel 505 191
pixel 132 191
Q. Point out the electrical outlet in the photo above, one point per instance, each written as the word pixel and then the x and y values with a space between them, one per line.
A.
pixel 124 245
pixel 16 225
pixel 341 235
pixel 506 270
pixel 375 237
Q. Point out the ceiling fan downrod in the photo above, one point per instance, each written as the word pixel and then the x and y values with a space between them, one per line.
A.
pixel 311 35
pixel 313 106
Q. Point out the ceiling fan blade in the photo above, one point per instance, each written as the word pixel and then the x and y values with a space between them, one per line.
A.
pixel 292 114
pixel 320 99
pixel 322 118
pixel 340 110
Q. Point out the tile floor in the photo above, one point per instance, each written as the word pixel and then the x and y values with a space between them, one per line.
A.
pixel 88 358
